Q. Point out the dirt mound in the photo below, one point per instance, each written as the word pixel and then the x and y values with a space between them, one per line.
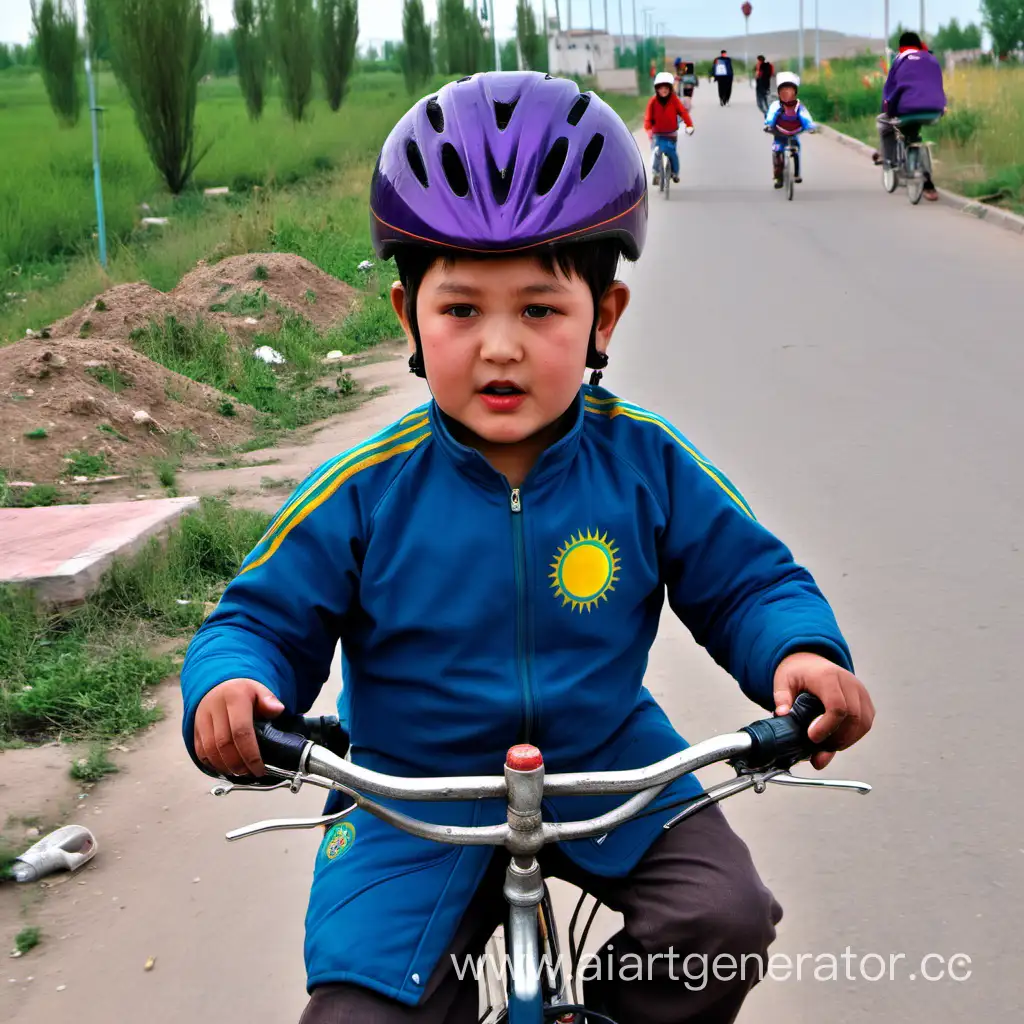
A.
pixel 244 295
pixel 117 312
pixel 287 280
pixel 72 394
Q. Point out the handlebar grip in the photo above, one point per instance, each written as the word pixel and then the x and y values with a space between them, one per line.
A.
pixel 781 742
pixel 281 749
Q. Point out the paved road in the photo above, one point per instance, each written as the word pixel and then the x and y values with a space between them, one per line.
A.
pixel 855 365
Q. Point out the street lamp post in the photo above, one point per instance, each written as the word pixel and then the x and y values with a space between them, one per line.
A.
pixel 800 41
pixel 817 37
pixel 747 10
pixel 101 221
pixel 494 35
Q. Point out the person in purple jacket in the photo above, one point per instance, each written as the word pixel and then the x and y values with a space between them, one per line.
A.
pixel 913 94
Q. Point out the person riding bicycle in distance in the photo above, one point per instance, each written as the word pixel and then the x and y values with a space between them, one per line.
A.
pixel 495 565
pixel 661 122
pixel 787 119
pixel 913 96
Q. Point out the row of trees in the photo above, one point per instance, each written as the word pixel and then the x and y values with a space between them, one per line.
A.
pixel 161 49
pixel 457 44
pixel 1004 20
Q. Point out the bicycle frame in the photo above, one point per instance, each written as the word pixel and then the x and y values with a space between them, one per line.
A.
pixel 524 785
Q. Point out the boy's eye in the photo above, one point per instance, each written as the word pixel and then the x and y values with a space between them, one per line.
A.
pixel 460 312
pixel 538 312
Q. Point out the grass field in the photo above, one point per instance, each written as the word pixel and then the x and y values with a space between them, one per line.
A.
pixel 314 181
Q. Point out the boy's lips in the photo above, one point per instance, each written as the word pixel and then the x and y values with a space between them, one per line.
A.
pixel 502 395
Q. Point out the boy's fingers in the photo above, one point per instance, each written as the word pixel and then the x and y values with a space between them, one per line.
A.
pixel 240 716
pixel 224 741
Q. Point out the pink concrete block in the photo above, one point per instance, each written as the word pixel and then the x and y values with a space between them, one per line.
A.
pixel 62 551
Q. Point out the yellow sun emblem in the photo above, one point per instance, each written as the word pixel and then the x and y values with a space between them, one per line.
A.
pixel 585 569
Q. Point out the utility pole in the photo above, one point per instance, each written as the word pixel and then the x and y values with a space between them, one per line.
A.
pixel 636 42
pixel 888 59
pixel 922 19
pixel 622 31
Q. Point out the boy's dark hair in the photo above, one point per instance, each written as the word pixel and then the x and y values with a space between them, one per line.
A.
pixel 910 39
pixel 593 262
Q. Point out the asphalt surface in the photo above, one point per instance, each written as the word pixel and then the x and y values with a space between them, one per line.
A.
pixel 854 364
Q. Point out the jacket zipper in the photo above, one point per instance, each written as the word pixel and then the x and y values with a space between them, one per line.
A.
pixel 522 653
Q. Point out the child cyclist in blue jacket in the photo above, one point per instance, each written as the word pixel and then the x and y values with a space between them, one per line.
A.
pixel 495 564
pixel 787 118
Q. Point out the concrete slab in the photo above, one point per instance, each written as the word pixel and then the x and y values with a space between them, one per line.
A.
pixel 62 551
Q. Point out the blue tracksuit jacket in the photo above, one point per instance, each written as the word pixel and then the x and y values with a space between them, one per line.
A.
pixel 472 617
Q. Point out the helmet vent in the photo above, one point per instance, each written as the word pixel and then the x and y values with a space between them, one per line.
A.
pixel 501 181
pixel 552 166
pixel 503 113
pixel 413 155
pixel 579 108
pixel 467 78
pixel 454 170
pixel 590 155
pixel 435 115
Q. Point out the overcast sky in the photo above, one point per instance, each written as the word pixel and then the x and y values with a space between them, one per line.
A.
pixel 381 19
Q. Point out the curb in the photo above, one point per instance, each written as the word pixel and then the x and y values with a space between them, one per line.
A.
pixel 979 211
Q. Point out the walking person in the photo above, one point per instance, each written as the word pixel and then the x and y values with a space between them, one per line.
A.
pixel 763 72
pixel 723 75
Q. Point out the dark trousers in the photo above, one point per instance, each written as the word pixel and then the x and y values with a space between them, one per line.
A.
pixel 762 99
pixel 724 90
pixel 693 904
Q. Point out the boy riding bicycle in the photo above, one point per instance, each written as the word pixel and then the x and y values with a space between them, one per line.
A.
pixel 913 96
pixel 495 565
pixel 661 122
pixel 786 120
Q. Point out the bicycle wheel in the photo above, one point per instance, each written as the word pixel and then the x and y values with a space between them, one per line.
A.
pixel 890 180
pixel 493 987
pixel 666 173
pixel 788 175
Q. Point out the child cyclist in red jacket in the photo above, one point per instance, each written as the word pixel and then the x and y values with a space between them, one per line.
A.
pixel 661 122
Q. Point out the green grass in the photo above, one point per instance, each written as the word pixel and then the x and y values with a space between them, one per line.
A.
pixel 109 377
pixel 82 463
pixel 95 767
pixel 36 496
pixel 36 435
pixel 27 939
pixel 7 859
pixel 85 673
pixel 106 428
pixel 253 303
pixel 166 472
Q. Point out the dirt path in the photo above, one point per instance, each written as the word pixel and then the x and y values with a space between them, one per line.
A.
pixel 165 884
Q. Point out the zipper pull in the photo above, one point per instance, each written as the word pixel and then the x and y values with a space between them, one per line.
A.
pixel 517 504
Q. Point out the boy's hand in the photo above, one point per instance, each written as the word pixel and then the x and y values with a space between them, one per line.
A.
pixel 224 737
pixel 849 712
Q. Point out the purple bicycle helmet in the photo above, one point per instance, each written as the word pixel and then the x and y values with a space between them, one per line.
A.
pixel 504 162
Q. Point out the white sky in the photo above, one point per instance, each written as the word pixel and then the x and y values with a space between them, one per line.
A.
pixel 381 19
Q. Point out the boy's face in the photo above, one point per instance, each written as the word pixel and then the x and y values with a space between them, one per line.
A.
pixel 787 94
pixel 663 90
pixel 505 342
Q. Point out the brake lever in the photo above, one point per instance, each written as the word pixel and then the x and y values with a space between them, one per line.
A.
pixel 786 779
pixel 281 824
pixel 289 780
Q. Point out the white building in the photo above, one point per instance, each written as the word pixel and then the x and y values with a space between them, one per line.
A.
pixel 580 52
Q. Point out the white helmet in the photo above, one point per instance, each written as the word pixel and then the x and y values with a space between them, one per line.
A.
pixel 787 78
pixel 665 78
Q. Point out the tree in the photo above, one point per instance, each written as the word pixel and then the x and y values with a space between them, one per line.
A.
pixel 158 49
pixel 461 47
pixel 293 33
pixel 531 42
pixel 416 57
pixel 339 32
pixel 1004 20
pixel 55 23
pixel 221 59
pixel 952 37
pixel 250 35
pixel 96 32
